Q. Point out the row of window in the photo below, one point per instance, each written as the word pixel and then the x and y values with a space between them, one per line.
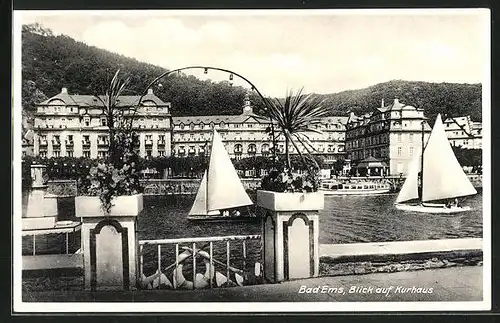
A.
pixel 87 122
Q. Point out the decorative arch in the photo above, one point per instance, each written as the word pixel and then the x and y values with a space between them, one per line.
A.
pixel 265 237
pixel 93 251
pixel 286 225
pixel 56 101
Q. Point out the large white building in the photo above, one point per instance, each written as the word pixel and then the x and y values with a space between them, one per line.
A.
pixel 245 135
pixel 464 132
pixel 384 141
pixel 72 125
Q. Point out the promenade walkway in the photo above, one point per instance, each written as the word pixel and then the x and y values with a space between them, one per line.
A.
pixel 447 284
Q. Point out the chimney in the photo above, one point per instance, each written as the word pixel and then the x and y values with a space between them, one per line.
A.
pixel 150 91
pixel 64 90
pixel 382 104
pixel 396 101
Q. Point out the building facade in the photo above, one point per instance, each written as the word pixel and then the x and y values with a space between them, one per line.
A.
pixel 245 135
pixel 463 132
pixel 72 125
pixel 390 136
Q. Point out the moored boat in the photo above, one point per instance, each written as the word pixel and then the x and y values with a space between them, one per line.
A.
pixel 360 188
pixel 442 178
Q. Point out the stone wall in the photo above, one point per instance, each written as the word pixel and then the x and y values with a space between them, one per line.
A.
pixel 151 186
pixel 182 186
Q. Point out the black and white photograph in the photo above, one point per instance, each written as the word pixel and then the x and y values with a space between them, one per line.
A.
pixel 180 161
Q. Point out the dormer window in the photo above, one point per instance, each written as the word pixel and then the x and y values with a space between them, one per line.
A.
pixel 86 121
pixel 104 121
pixel 191 126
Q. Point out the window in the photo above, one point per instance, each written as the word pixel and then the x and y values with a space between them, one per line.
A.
pixel 399 151
pixel 57 153
pixel 43 154
pixel 411 151
pixel 161 153
pixel 69 154
pixel 86 154
pixel 86 121
pixel 104 121
pixel 148 153
pixel 411 137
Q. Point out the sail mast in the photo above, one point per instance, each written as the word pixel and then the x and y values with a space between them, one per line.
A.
pixel 422 165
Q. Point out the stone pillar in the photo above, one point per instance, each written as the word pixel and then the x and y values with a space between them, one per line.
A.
pixel 109 242
pixel 290 234
pixel 41 211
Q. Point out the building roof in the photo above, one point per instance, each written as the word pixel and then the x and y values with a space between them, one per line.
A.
pixel 240 118
pixel 372 162
pixel 91 100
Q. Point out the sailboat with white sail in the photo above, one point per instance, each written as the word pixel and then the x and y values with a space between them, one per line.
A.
pixel 221 193
pixel 442 177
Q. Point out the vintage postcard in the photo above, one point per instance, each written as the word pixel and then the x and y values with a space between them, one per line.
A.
pixel 267 160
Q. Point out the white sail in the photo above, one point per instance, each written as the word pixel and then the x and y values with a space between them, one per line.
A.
pixel 409 191
pixel 224 188
pixel 200 202
pixel 443 177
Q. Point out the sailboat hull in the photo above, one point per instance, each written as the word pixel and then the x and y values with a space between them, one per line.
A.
pixel 432 208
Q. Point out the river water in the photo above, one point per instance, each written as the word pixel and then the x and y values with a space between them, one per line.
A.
pixel 345 219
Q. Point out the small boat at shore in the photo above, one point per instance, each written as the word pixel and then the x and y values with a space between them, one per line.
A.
pixel 360 188
pixel 440 176
pixel 221 194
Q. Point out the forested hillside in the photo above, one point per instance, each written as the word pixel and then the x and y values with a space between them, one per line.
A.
pixel 452 99
pixel 51 62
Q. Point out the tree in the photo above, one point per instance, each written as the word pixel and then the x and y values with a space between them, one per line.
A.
pixel 295 116
pixel 119 174
pixel 338 165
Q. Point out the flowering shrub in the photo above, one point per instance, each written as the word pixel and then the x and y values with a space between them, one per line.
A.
pixel 284 180
pixel 107 181
pixel 116 176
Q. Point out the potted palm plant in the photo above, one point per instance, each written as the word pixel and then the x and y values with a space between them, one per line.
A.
pixel 111 186
pixel 294 118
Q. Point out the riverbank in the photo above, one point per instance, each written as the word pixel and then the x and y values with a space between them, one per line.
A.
pixel 71 279
pixel 446 284
pixel 183 186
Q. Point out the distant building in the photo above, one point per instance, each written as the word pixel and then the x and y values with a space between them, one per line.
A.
pixel 72 125
pixel 245 135
pixel 463 132
pixel 384 141
pixel 27 143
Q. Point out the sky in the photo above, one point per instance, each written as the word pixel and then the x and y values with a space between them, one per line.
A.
pixel 324 51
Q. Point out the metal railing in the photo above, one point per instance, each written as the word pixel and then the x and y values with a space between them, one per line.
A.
pixel 172 276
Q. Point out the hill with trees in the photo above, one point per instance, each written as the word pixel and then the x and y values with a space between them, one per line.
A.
pixel 51 62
